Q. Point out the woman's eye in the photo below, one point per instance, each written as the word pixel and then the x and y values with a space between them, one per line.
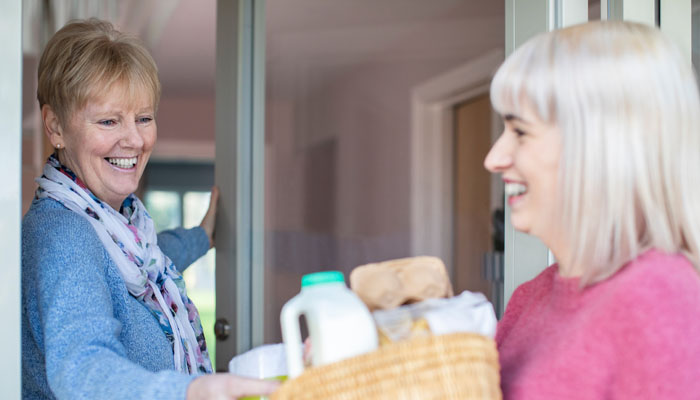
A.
pixel 144 120
pixel 107 122
pixel 519 132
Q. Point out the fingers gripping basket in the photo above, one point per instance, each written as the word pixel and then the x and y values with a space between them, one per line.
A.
pixel 455 366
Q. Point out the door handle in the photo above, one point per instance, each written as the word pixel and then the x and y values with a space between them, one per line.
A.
pixel 222 329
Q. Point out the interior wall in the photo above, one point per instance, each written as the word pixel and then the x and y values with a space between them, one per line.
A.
pixel 338 126
pixel 364 123
pixel 361 102
pixel 33 147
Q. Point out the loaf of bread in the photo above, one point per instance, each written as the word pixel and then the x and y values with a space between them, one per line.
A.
pixel 389 284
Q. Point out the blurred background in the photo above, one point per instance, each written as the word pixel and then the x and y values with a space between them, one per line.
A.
pixel 376 115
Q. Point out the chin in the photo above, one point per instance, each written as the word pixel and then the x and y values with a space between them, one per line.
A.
pixel 124 192
pixel 520 226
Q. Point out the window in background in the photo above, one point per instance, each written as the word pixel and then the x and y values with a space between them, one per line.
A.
pixel 200 276
pixel 177 194
pixel 165 209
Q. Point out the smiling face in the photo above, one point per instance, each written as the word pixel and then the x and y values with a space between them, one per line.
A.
pixel 108 142
pixel 527 156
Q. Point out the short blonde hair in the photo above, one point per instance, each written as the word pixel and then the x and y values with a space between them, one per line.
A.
pixel 625 100
pixel 84 58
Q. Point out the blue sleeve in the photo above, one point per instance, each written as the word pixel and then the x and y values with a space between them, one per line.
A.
pixel 184 246
pixel 74 317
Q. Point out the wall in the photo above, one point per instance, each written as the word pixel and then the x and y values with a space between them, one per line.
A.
pixel 346 93
pixel 338 126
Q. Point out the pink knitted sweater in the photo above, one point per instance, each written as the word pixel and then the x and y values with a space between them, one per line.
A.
pixel 635 335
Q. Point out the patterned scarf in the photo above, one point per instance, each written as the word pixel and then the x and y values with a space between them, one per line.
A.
pixel 150 276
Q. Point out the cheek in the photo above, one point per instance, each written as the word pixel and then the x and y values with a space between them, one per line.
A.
pixel 149 139
pixel 551 168
pixel 100 146
pixel 88 150
pixel 75 140
pixel 548 193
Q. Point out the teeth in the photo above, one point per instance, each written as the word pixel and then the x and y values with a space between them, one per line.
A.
pixel 515 189
pixel 125 163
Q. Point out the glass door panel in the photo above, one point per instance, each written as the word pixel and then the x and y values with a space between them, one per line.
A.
pixel 695 34
pixel 165 209
pixel 338 157
pixel 174 208
pixel 200 276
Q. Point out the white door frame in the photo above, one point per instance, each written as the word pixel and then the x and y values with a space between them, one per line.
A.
pixel 239 174
pixel 432 164
pixel 11 195
pixel 676 20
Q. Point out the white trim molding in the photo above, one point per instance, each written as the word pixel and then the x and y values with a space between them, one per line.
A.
pixel 676 17
pixel 11 196
pixel 432 152
pixel 643 11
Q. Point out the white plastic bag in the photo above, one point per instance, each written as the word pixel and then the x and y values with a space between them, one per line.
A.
pixel 467 312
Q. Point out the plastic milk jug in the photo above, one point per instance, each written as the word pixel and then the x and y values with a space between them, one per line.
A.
pixel 340 325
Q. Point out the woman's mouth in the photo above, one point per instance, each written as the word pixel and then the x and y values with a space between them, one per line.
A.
pixel 124 163
pixel 514 191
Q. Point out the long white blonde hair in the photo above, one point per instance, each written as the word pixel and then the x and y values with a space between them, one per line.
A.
pixel 625 100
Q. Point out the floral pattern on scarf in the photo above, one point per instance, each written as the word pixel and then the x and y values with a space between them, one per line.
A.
pixel 150 276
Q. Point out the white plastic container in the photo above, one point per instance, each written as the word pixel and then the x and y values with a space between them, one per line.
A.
pixel 340 325
pixel 263 362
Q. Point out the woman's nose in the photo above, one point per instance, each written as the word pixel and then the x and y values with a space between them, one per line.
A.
pixel 500 156
pixel 132 136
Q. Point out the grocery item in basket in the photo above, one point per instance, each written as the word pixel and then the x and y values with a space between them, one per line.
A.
pixel 339 323
pixel 468 312
pixel 263 362
pixel 389 284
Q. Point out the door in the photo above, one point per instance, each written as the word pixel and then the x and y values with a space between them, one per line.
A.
pixel 473 231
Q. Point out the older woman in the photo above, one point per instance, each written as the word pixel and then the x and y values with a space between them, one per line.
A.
pixel 106 313
pixel 600 157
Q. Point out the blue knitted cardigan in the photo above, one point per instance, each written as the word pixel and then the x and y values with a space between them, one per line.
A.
pixel 83 335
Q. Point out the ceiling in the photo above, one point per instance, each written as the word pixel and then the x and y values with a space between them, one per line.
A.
pixel 184 48
pixel 181 34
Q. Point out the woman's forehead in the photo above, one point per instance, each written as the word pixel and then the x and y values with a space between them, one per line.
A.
pixel 126 94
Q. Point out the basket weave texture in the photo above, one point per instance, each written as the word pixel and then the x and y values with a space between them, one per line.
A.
pixel 455 366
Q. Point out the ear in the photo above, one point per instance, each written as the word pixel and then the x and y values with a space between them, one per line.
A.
pixel 52 126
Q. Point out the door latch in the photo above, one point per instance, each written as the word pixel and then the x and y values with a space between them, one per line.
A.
pixel 222 329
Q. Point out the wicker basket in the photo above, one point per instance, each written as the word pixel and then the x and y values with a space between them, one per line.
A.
pixel 455 366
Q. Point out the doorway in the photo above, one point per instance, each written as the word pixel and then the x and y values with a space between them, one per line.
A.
pixel 474 247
